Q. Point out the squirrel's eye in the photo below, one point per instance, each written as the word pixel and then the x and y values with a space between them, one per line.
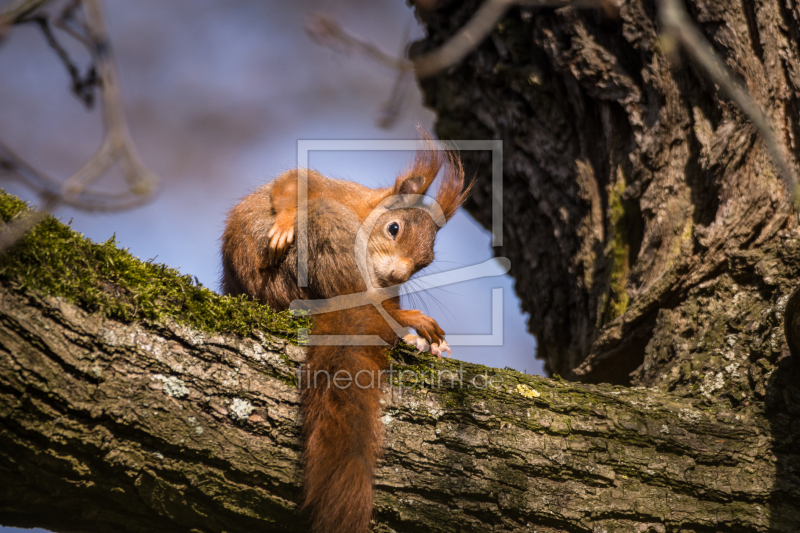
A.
pixel 393 228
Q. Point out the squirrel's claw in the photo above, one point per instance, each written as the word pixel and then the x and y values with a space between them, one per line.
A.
pixel 444 347
pixel 422 345
pixel 440 349
pixel 280 237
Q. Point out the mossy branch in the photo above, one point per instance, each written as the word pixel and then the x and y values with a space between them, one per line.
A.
pixel 131 399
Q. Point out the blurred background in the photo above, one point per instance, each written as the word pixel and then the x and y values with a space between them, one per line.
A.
pixel 217 94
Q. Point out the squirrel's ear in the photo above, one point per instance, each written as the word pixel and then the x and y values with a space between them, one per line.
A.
pixel 419 175
pixel 410 185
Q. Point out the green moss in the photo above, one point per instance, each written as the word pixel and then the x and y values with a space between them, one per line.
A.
pixel 618 252
pixel 54 260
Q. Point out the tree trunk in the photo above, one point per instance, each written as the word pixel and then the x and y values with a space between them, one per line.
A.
pixel 653 244
pixel 648 231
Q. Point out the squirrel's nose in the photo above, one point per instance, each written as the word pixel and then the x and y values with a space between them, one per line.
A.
pixel 400 270
pixel 398 275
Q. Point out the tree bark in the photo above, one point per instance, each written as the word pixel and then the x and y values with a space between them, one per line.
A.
pixel 643 218
pixel 118 426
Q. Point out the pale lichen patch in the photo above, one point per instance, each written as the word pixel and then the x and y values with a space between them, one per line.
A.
pixel 173 386
pixel 241 409
pixel 712 382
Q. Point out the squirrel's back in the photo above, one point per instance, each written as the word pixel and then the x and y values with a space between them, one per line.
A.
pixel 331 241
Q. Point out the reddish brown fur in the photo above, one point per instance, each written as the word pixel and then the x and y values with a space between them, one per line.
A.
pixel 331 227
pixel 428 161
pixel 452 194
pixel 342 429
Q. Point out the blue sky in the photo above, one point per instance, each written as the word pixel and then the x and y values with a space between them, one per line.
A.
pixel 217 94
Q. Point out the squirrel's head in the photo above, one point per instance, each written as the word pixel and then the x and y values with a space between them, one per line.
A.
pixel 401 244
pixel 401 241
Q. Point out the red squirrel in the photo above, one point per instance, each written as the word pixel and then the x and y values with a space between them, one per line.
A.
pixel 341 384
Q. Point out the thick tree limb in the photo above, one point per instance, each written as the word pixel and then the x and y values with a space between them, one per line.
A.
pixel 106 425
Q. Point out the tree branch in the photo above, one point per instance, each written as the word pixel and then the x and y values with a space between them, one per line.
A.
pixel 18 10
pixel 154 424
pixel 327 32
pixel 116 146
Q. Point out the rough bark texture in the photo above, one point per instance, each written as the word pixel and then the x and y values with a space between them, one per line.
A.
pixel 651 238
pixel 107 426
pixel 647 229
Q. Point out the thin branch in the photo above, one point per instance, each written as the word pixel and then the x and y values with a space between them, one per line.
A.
pixel 65 20
pixel 327 32
pixel 117 145
pixel 465 40
pixel 390 109
pixel 481 25
pixel 83 87
pixel 680 27
pixel 15 167
pixel 18 10
pixel 330 33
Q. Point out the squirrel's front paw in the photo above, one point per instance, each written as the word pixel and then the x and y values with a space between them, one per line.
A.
pixel 426 327
pixel 423 346
pixel 280 237
pixel 417 342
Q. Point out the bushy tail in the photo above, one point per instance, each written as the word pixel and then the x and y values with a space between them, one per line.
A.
pixel 341 391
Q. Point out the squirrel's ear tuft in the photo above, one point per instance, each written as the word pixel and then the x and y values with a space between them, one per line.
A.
pixel 452 193
pixel 417 177
pixel 428 161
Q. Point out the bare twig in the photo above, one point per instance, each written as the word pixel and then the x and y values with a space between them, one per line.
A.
pixel 15 167
pixel 65 20
pixel 465 40
pixel 390 109
pixel 480 26
pixel 678 26
pixel 117 145
pixel 328 32
pixel 83 87
pixel 18 10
